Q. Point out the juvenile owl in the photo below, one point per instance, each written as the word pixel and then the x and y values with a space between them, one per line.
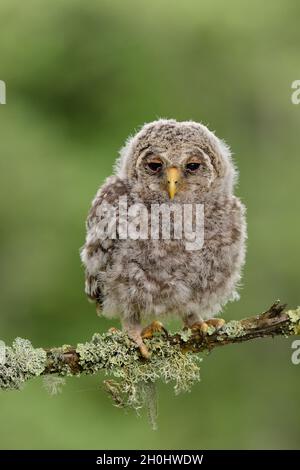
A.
pixel 134 269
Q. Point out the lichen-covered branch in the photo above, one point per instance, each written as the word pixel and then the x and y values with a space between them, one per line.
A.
pixel 173 357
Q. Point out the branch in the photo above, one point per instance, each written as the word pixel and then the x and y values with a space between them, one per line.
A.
pixel 275 321
pixel 172 357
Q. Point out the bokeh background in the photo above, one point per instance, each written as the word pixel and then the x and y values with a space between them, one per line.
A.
pixel 82 76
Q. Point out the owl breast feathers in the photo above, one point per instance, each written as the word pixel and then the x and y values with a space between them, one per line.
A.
pixel 167 162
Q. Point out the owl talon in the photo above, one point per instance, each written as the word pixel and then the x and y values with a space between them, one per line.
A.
pixel 138 340
pixel 135 334
pixel 203 326
pixel 154 327
pixel 144 350
pixel 113 330
pixel 216 323
pixel 147 333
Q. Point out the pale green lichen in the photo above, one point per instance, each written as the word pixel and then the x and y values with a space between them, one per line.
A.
pixel 132 378
pixel 53 384
pixel 294 316
pixel 185 334
pixel 210 330
pixel 232 329
pixel 21 362
pixel 149 397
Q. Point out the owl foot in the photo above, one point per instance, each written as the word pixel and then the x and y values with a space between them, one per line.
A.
pixel 154 327
pixel 147 333
pixel 137 335
pixel 113 330
pixel 203 326
pixel 144 350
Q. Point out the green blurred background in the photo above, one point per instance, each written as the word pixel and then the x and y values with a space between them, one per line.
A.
pixel 82 76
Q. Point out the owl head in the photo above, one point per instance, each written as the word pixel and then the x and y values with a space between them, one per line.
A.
pixel 176 161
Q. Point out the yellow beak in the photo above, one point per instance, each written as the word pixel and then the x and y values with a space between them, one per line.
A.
pixel 173 175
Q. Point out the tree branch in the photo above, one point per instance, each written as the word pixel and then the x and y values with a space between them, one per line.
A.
pixel 274 322
pixel 172 357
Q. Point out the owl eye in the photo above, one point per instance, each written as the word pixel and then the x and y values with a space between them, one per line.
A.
pixel 192 167
pixel 154 166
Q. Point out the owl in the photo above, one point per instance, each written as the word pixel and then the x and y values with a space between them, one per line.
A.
pixel 167 164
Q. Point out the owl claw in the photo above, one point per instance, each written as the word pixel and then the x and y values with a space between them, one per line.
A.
pixel 138 340
pixel 134 333
pixel 137 335
pixel 113 330
pixel 148 332
pixel 154 327
pixel 144 350
pixel 203 326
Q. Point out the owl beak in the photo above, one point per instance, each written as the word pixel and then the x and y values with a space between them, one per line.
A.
pixel 173 175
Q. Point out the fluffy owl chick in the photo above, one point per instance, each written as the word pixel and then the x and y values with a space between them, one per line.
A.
pixel 138 278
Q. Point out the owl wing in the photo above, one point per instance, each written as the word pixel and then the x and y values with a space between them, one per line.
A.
pixel 97 250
